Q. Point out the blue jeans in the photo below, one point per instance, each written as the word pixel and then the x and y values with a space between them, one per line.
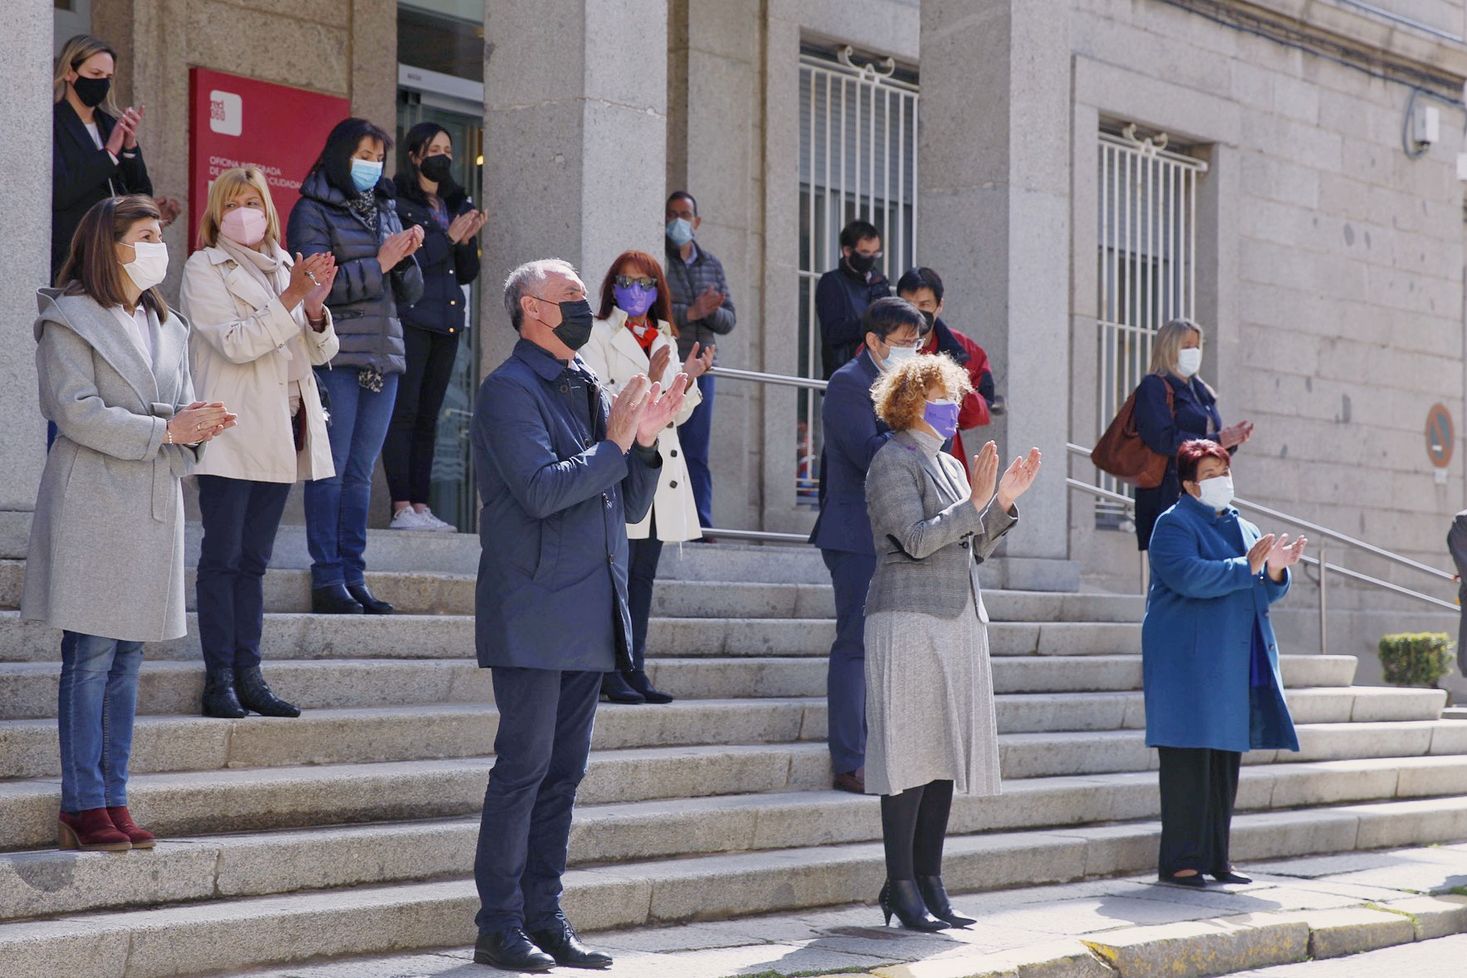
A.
pixel 694 435
pixel 240 519
pixel 96 702
pixel 336 508
pixel 845 682
pixel 540 751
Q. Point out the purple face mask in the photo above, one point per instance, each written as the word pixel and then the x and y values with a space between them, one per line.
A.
pixel 943 416
pixel 633 299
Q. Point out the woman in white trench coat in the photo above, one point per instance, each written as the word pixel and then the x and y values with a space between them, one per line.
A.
pixel 105 562
pixel 259 325
pixel 633 335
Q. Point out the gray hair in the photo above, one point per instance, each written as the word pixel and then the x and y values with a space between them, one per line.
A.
pixel 526 279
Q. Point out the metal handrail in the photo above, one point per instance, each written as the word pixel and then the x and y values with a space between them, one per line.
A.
pixel 1315 528
pixel 759 377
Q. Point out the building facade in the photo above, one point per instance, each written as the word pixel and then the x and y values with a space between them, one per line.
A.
pixel 1082 171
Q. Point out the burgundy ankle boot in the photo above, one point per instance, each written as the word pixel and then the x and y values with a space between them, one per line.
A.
pixel 90 831
pixel 140 837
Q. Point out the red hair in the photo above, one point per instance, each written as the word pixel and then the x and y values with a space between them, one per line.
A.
pixel 1191 454
pixel 627 263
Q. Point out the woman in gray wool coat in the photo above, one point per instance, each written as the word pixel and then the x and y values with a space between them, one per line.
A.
pixel 105 563
pixel 930 719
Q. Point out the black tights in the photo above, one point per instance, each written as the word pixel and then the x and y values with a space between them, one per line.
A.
pixel 913 829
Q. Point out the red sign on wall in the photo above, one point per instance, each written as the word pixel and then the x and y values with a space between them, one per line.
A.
pixel 237 121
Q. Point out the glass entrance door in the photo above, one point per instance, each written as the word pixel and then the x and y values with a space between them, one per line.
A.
pixel 453 495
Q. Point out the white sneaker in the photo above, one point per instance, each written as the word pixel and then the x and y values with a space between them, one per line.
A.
pixel 431 522
pixel 408 518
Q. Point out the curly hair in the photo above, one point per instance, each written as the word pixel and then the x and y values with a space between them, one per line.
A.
pixel 901 394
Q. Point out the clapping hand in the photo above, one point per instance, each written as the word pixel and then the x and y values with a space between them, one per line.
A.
pixel 707 302
pixel 321 270
pixel 199 422
pixel 984 475
pixel 1282 555
pixel 1234 435
pixel 662 407
pixel 697 363
pixel 124 131
pixel 466 225
pixel 1017 479
pixel 398 246
pixel 170 208
pixel 627 410
pixel 660 359
pixel 1258 553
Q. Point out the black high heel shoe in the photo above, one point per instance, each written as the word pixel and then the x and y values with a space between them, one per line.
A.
pixel 934 895
pixel 637 679
pixel 900 897
pixel 1193 882
pixel 1236 879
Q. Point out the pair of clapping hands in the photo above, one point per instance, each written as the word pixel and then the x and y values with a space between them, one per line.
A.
pixel 642 409
pixel 1017 478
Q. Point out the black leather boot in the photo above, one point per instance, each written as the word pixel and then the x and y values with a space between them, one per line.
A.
pixel 614 689
pixel 637 680
pixel 333 600
pixel 934 894
pixel 511 950
pixel 369 602
pixel 901 897
pixel 220 700
pixel 256 694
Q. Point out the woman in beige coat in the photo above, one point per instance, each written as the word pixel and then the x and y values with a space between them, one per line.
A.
pixel 929 688
pixel 259 326
pixel 105 563
pixel 633 335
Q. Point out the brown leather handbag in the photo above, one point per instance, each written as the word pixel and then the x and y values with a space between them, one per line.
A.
pixel 1123 454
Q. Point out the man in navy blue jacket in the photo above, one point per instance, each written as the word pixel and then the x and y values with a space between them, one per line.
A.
pixel 561 470
pixel 844 292
pixel 893 330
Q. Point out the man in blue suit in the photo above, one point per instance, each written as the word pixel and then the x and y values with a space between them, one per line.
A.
pixel 893 330
pixel 561 470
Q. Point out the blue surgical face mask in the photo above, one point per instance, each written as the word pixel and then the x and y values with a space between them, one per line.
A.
pixel 679 231
pixel 365 174
pixel 943 416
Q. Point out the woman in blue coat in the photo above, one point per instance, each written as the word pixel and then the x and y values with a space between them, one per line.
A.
pixel 347 210
pixel 1174 405
pixel 1210 661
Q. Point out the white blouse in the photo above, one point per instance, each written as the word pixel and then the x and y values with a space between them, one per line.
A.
pixel 138 329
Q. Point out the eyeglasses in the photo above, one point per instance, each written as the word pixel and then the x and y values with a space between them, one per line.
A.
pixel 908 344
pixel 626 282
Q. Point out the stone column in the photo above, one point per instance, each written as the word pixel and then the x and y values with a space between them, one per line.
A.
pixel 575 140
pixel 994 220
pixel 25 119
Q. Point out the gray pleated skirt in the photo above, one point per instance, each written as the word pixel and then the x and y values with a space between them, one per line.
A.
pixel 929 703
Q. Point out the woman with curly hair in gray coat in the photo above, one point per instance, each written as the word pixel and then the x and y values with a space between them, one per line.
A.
pixel 930 719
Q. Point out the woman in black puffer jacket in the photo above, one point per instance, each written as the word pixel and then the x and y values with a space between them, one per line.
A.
pixel 346 208
pixel 429 198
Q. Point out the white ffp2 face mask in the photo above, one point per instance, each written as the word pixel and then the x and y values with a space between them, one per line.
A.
pixel 898 355
pixel 149 266
pixel 1189 361
pixel 1216 492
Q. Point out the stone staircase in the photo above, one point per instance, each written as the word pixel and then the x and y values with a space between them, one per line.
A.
pixel 351 830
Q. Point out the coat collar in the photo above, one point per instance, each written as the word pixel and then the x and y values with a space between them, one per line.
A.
pixel 99 328
pixel 945 342
pixel 868 365
pixel 72 125
pixel 546 366
pixel 624 341
pixel 931 462
pixel 1205 512
pixel 218 256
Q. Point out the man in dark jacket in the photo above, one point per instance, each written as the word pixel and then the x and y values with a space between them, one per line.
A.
pixel 561 470
pixel 702 310
pixel 893 330
pixel 843 294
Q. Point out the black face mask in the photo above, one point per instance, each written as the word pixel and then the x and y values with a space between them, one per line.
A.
pixel 575 323
pixel 92 92
pixel 861 264
pixel 931 318
pixel 438 168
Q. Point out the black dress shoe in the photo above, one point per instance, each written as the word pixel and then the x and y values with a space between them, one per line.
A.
pixel 1193 882
pixel 614 689
pixel 934 894
pixel 559 940
pixel 256 694
pixel 1236 879
pixel 852 781
pixel 511 950
pixel 220 700
pixel 637 680
pixel 334 599
pixel 370 604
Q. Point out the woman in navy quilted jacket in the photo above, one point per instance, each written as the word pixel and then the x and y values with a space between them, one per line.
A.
pixel 347 208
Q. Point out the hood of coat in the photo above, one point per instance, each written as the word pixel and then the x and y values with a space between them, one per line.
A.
pixel 318 187
pixel 99 328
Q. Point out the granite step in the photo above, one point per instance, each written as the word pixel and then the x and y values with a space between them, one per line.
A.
pixel 235 933
pixel 366 733
pixel 48 882
pixel 452 636
pixel 205 801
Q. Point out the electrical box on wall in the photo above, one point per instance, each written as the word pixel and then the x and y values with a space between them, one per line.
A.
pixel 1426 125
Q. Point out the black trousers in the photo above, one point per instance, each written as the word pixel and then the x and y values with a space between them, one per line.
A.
pixel 641 576
pixel 914 828
pixel 407 454
pixel 240 519
pixel 1198 788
